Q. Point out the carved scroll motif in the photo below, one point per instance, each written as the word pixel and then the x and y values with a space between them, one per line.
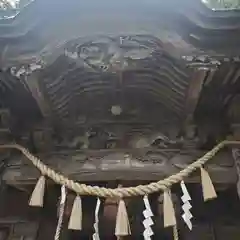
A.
pixel 120 164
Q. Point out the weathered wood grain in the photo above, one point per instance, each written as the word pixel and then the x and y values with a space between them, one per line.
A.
pixel 109 165
pixel 236 157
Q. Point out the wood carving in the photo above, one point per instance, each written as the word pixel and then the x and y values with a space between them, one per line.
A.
pixel 236 157
pixel 5 134
pixel 107 165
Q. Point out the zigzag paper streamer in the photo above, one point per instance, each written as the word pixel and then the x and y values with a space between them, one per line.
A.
pixel 95 225
pixel 187 216
pixel 147 222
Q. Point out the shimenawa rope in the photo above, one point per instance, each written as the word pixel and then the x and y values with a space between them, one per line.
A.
pixel 140 190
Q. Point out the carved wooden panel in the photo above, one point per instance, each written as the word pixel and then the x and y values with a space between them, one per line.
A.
pixel 108 165
pixel 236 157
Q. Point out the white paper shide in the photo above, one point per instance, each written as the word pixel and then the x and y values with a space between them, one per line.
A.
pixel 187 216
pixel 95 225
pixel 147 222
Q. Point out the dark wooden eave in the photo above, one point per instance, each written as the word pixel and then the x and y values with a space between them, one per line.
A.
pixel 202 79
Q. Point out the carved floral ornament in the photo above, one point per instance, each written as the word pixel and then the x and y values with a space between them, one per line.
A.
pixel 122 222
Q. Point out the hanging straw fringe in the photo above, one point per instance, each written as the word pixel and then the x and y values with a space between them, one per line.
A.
pixel 37 197
pixel 75 221
pixel 122 227
pixel 207 186
pixel 168 210
pixel 147 222
pixel 122 221
pixel 61 213
pixel 95 225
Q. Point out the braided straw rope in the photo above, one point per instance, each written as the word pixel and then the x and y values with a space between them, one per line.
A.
pixel 139 190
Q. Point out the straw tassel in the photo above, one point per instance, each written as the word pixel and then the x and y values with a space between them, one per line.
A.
pixel 168 210
pixel 207 186
pixel 75 221
pixel 37 197
pixel 122 221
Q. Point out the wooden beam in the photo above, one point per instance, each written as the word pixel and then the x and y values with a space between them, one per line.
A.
pixel 119 165
pixel 194 91
pixel 33 84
